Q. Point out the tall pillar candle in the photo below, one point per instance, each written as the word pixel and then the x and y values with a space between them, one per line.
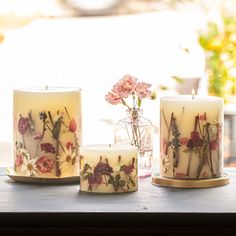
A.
pixel 47 132
pixel 108 168
pixel 191 137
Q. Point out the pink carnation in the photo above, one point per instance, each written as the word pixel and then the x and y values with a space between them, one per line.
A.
pixel 125 86
pixel 142 90
pixel 113 98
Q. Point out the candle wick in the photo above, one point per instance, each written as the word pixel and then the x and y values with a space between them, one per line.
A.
pixel 109 145
pixel 192 96
pixel 46 87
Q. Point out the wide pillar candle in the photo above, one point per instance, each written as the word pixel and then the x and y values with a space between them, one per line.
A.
pixel 47 132
pixel 108 168
pixel 191 137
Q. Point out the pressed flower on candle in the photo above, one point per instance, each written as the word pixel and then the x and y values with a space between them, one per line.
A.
pixel 190 132
pixel 108 168
pixel 45 122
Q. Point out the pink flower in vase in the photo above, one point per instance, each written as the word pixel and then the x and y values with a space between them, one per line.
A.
pixel 44 164
pixel 19 160
pixel 113 98
pixel 23 125
pixel 125 86
pixel 142 90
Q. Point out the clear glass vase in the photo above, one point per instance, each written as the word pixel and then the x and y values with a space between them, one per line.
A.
pixel 138 131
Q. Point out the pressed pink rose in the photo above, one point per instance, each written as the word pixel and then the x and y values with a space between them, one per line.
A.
pixel 142 90
pixel 48 147
pixel 37 135
pixel 69 145
pixel 19 160
pixel 44 164
pixel 214 145
pixel 183 140
pixel 23 125
pixel 113 98
pixel 72 126
pixel 125 86
pixel 202 117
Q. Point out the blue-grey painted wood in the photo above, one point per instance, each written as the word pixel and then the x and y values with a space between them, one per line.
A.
pixel 28 202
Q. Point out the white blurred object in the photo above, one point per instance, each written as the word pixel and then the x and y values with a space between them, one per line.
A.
pixel 92 6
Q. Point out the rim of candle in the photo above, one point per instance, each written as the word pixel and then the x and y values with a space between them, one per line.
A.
pixel 108 147
pixel 188 98
pixel 48 89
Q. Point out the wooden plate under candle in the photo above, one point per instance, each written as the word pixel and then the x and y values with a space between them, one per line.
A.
pixel 190 183
pixel 38 180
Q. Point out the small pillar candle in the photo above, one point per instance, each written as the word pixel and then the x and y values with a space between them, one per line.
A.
pixel 47 132
pixel 108 168
pixel 191 137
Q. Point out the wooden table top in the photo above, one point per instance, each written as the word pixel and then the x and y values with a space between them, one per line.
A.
pixel 150 205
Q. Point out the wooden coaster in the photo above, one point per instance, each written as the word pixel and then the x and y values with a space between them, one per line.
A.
pixel 190 183
pixel 38 180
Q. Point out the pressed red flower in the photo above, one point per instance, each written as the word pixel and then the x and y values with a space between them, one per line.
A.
pixel 214 145
pixel 195 140
pixel 103 169
pixel 91 180
pixel 72 126
pixel 129 169
pixel 44 164
pixel 19 160
pixel 180 175
pixel 98 179
pixel 69 145
pixel 23 125
pixel 37 136
pixel 183 140
pixel 48 147
pixel 202 117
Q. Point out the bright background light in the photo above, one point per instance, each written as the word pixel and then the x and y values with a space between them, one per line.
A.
pixel 93 53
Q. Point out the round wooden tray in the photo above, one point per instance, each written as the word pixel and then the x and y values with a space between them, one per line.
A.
pixel 190 183
pixel 38 180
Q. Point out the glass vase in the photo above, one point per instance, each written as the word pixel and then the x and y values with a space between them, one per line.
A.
pixel 137 130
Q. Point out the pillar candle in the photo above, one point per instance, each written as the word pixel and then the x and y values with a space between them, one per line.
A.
pixel 191 137
pixel 108 168
pixel 47 132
